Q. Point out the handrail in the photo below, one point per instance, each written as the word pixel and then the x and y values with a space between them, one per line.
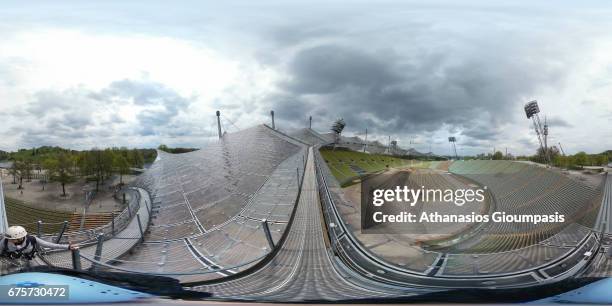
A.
pixel 226 269
pixel 119 222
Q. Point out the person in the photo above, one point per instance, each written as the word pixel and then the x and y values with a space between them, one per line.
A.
pixel 19 248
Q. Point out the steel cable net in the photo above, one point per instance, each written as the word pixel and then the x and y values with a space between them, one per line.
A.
pixel 481 260
pixel 228 242
pixel 208 207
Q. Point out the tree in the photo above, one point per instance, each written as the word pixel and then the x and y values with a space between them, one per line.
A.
pixel 136 158
pixel 581 159
pixel 86 163
pixel 553 152
pixel 562 161
pixel 49 164
pixel 337 128
pixel 601 160
pixel 60 170
pixel 108 158
pixel 163 147
pixel 27 169
pixel 14 172
pixel 121 166
pixel 498 155
pixel 22 168
pixel 102 165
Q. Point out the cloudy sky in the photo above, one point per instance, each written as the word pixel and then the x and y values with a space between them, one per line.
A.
pixel 141 73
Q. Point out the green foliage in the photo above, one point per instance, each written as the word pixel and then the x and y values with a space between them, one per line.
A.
pixel 149 155
pixel 122 166
pixel 498 155
pixel 22 169
pixel 135 158
pixel 343 163
pixel 163 147
pixel 581 159
pixel 61 170
pixel 64 166
pixel 38 155
pixel 167 149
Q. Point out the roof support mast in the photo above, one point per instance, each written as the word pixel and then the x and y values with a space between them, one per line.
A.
pixel 219 124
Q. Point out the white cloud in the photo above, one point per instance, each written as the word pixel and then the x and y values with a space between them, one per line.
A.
pixel 58 71
pixel 237 58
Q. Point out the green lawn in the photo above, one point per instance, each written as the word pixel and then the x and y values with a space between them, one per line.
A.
pixel 342 163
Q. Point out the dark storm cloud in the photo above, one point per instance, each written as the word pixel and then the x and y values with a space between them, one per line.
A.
pixel 390 93
pixel 481 132
pixel 472 143
pixel 289 106
pixel 330 68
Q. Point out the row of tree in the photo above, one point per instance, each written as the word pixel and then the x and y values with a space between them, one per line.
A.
pixel 576 161
pixel 580 160
pixel 167 149
pixel 66 166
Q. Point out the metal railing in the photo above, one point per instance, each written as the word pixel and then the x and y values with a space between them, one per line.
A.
pixel 115 225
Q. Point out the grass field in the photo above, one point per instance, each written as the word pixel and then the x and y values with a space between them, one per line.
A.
pixel 346 166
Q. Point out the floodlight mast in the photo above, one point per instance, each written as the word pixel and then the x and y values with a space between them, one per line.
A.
pixel 453 140
pixel 531 110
